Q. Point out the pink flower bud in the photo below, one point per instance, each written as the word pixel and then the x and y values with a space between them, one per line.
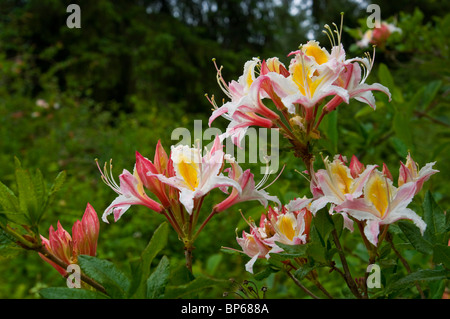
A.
pixel 356 167
pixel 143 166
pixel 84 242
pixel 85 233
pixel 387 172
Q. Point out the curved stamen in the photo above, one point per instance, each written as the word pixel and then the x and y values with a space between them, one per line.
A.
pixel 108 179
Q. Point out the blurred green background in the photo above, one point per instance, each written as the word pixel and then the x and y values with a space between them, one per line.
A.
pixel 138 69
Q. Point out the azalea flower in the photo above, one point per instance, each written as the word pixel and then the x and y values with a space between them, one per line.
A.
pixel 253 247
pixel 288 227
pixel 382 204
pixel 279 225
pixel 130 190
pixel 338 182
pixel 196 175
pixel 409 172
pixel 352 79
pixel 82 242
pixel 161 164
pixel 378 36
pixel 250 191
pixel 246 107
pixel 313 72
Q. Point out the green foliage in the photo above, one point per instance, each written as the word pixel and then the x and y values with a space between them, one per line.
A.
pixel 135 71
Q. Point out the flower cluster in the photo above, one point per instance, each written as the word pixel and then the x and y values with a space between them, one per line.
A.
pixel 297 91
pixel 82 242
pixel 180 181
pixel 288 225
pixel 364 193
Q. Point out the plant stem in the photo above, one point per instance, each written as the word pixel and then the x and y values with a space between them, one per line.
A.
pixel 322 288
pixel 404 262
pixel 188 256
pixel 38 247
pixel 298 283
pixel 63 265
pixel 347 275
pixel 213 212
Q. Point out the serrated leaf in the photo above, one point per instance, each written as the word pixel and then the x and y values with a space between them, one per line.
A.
pixel 11 208
pixel 58 182
pixel 292 251
pixel 115 282
pixel 157 282
pixel 70 293
pixel 429 93
pixel 402 128
pixel 338 221
pixel 323 224
pixel 8 199
pixel 441 254
pixel 28 201
pixel 195 286
pixel 427 275
pixel 266 272
pixel 414 236
pixel 39 188
pixel 303 271
pixel 316 250
pixel 56 186
pixel 434 217
pixel 213 263
pixel 155 245
pixel 385 76
pixel 8 247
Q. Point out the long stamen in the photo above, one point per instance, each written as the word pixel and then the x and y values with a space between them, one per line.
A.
pixel 108 179
pixel 220 80
pixel 278 176
pixel 338 34
pixel 330 33
pixel 266 174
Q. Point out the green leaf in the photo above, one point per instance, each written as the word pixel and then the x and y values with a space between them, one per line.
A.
pixel 11 207
pixel 323 224
pixel 70 293
pixel 330 124
pixel 316 249
pixel 414 236
pixel 28 201
pixel 115 282
pixel 441 254
pixel 435 219
pixel 179 274
pixel 40 189
pixel 402 128
pixel 194 287
pixel 8 200
pixel 303 271
pixel 213 263
pixel 157 282
pixel 8 247
pixel 58 182
pixel 56 186
pixel 429 93
pixel 385 76
pixel 266 272
pixel 156 244
pixel 426 275
pixel 399 146
pixel 338 221
pixel 292 251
